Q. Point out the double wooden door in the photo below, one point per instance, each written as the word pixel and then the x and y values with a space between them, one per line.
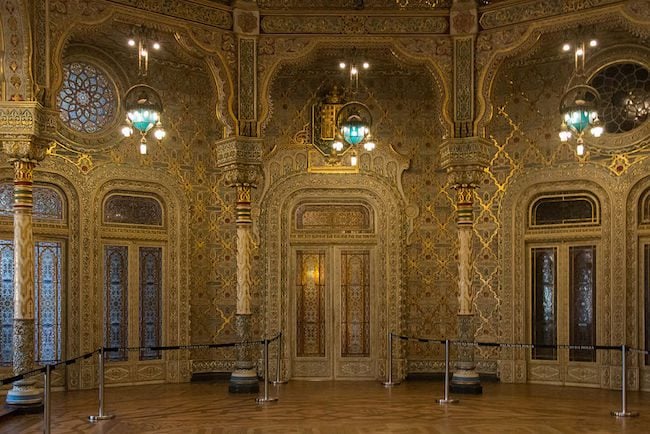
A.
pixel 333 315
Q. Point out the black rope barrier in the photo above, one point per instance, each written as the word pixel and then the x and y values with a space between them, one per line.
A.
pixel 23 375
pixel 513 345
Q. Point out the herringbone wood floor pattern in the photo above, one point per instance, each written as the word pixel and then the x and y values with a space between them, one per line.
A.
pixel 340 407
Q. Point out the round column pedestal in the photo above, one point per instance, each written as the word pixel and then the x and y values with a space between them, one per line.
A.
pixel 24 395
pixel 466 381
pixel 244 381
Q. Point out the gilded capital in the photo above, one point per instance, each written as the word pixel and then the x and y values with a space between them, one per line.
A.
pixel 26 129
pixel 465 160
pixel 240 159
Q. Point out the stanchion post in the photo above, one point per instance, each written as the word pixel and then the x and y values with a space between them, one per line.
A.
pixel 265 398
pixel 624 412
pixel 101 415
pixel 46 399
pixel 446 399
pixel 390 382
pixel 277 363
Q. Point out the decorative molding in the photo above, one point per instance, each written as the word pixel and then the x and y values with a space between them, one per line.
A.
pixel 240 159
pixel 463 86
pixel 186 10
pixel 533 10
pixel 353 24
pixel 465 159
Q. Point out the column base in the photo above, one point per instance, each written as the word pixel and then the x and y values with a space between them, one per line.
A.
pixel 244 381
pixel 467 382
pixel 23 394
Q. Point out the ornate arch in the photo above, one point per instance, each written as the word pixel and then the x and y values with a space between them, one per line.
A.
pixel 522 38
pixel 512 258
pixel 275 53
pixel 379 184
pixel 177 329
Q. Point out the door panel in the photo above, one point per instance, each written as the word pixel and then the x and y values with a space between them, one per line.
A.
pixel 332 314
pixel 563 302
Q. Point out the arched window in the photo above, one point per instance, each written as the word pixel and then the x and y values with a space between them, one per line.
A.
pixel 48 206
pixel 48 203
pixel 126 208
pixel 564 210
pixel 644 244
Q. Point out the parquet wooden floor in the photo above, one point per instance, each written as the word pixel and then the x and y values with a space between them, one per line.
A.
pixel 340 407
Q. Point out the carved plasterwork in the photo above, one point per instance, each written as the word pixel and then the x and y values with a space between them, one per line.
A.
pixel 353 24
pixel 17 83
pixel 534 10
pixel 199 13
pixel 26 128
pixel 288 183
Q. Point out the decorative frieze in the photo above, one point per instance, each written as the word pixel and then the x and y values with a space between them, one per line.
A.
pixel 354 24
pixel 519 12
pixel 192 11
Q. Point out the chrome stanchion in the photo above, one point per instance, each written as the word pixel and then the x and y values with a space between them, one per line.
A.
pixel 277 363
pixel 446 399
pixel 46 399
pixel 390 382
pixel 265 398
pixel 624 412
pixel 101 415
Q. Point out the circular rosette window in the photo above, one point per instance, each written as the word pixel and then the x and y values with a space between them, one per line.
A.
pixel 624 90
pixel 88 105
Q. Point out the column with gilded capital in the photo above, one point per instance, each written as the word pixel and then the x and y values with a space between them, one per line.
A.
pixel 465 160
pixel 464 157
pixel 240 158
pixel 25 130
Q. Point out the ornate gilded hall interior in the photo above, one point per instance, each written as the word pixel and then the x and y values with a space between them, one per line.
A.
pixel 341 172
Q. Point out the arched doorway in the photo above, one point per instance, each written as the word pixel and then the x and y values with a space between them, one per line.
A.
pixel 334 245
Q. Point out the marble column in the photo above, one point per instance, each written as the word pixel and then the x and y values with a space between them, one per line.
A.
pixel 465 159
pixel 23 392
pixel 244 378
pixel 465 378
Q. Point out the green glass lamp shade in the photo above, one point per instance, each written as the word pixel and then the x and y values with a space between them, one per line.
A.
pixel 578 119
pixel 143 119
pixel 354 131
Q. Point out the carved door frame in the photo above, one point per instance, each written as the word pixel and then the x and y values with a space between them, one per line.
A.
pixel 280 198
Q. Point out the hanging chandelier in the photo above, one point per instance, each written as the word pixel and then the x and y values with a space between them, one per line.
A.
pixel 143 109
pixel 142 103
pixel 353 119
pixel 579 104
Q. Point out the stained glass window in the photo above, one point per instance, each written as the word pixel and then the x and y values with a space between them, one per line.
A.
pixel 565 209
pixel 150 300
pixel 310 290
pixel 6 301
pixel 355 304
pixel 132 209
pixel 48 202
pixel 87 100
pixel 48 262
pixel 47 276
pixel 582 302
pixel 116 289
pixel 544 297
pixel 624 90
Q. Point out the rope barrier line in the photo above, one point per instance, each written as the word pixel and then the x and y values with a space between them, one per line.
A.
pixel 514 345
pixel 68 362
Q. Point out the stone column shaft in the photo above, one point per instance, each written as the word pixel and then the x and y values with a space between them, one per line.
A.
pixel 244 379
pixel 23 392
